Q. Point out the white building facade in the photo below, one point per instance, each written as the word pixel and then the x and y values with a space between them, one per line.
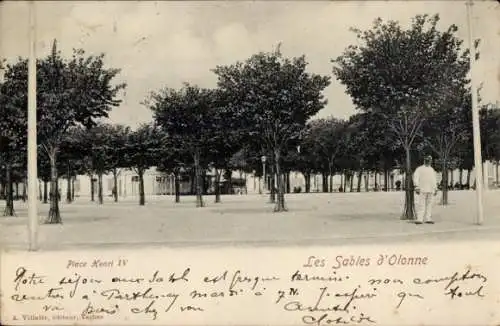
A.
pixel 158 183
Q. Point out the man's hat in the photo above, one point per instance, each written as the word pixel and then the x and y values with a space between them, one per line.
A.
pixel 427 158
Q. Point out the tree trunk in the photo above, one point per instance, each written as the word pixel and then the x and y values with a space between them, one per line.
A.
pixel 307 181
pixel 346 177
pixel 229 173
pixel 375 175
pixel 324 182
pixel 246 183
pixel 198 179
pixel 92 192
pixel 54 213
pixel 468 178
pixel 192 178
pixel 386 180
pixel 9 204
pixel 17 190
pixel 330 175
pixel 360 177
pixel 351 179
pixel 217 185
pixel 100 195
pixel 272 175
pixel 73 188
pixel 25 184
pixel 280 203
pixel 45 192
pixel 115 185
pixel 342 178
pixel 177 186
pixel 204 182
pixel 68 185
pixel 367 181
pixel 58 190
pixel 409 208
pixel 452 179
pixel 498 163
pixel 142 196
pixel 288 182
pixel 461 177
pixel 444 183
pixel 40 194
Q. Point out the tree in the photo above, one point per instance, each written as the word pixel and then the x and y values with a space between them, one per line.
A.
pixel 371 145
pixel 172 160
pixel 13 135
pixel 70 93
pixel 44 174
pixel 307 161
pixel 490 135
pixel 272 97
pixel 490 128
pixel 224 143
pixel 325 137
pixel 116 141
pixel 141 151
pixel 103 145
pixel 7 160
pixel 97 140
pixel 188 117
pixel 447 126
pixel 400 74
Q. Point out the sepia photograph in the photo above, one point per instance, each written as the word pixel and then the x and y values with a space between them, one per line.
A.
pixel 250 163
pixel 248 123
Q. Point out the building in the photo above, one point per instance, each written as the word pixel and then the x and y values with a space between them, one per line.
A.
pixel 158 183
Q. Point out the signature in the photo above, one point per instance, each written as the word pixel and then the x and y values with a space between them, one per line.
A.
pixel 325 319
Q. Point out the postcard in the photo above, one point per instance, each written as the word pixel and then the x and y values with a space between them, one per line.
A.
pixel 249 163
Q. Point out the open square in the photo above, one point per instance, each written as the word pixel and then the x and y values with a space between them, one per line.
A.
pixel 311 219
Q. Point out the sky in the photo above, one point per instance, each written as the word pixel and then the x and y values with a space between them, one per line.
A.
pixel 161 44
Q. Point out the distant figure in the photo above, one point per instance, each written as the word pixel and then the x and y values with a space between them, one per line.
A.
pixel 425 183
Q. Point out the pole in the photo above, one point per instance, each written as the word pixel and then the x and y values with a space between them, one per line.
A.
pixel 32 133
pixel 486 176
pixel 475 121
pixel 264 179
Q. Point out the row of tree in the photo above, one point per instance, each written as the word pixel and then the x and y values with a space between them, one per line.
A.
pixel 410 87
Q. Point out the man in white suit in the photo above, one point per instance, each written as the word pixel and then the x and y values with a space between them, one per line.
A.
pixel 425 182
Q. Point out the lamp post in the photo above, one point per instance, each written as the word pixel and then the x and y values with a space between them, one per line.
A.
pixel 32 133
pixel 263 159
pixel 475 121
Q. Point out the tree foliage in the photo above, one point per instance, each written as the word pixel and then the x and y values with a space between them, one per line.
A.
pixel 403 75
pixel 272 97
pixel 70 92
pixel 189 117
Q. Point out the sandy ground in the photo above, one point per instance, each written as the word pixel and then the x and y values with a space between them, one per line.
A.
pixel 248 220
